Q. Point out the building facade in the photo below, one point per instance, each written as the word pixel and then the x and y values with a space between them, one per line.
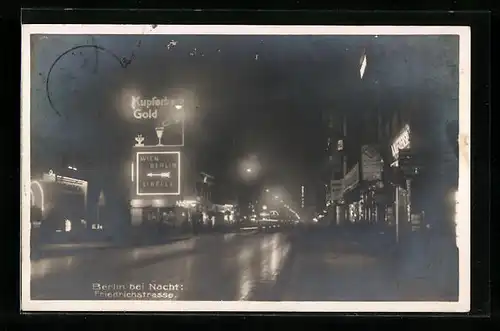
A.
pixel 398 167
pixel 334 158
pixel 420 168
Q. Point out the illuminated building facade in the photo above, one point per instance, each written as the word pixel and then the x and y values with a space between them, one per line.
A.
pixel 163 171
pixel 58 204
pixel 204 186
pixel 335 158
pixel 420 168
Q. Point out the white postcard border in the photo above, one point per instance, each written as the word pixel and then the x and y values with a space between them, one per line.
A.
pixel 463 194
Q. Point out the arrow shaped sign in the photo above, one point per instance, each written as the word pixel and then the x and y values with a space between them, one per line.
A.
pixel 163 175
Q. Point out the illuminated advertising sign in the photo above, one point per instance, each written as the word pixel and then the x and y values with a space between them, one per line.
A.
pixel 340 145
pixel 59 192
pixel 371 162
pixel 401 142
pixel 336 189
pixel 158 173
pixel 351 179
pixel 159 112
pixel 147 108
pixel 302 198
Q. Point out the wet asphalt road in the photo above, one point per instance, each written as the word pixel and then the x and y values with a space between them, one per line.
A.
pixel 211 267
pixel 279 266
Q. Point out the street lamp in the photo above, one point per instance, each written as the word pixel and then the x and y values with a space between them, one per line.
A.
pixel 249 168
pixel 264 207
pixel 362 64
pixel 267 190
pixel 179 104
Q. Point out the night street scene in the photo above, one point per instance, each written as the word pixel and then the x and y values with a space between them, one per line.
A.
pixel 244 167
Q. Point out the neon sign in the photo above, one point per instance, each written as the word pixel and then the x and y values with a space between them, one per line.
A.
pixel 166 114
pixel 351 179
pixel 147 108
pixel 158 173
pixel 302 199
pixel 40 202
pixel 52 177
pixel 402 141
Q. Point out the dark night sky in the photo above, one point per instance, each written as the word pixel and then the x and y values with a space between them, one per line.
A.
pixel 255 94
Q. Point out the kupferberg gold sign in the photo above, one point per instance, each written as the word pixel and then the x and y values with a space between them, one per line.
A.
pixel 148 108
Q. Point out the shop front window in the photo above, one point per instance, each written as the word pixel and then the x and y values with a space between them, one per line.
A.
pixel 361 210
pixel 352 213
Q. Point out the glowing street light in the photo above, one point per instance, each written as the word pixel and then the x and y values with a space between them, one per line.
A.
pixel 267 190
pixel 179 104
pixel 249 168
pixel 264 207
pixel 362 64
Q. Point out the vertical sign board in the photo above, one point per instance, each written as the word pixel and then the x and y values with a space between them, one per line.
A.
pixel 302 196
pixel 351 179
pixel 336 162
pixel 158 173
pixel 406 162
pixel 336 188
pixel 402 142
pixel 371 162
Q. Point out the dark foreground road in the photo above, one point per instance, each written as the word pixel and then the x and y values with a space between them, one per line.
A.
pixel 306 266
pixel 361 266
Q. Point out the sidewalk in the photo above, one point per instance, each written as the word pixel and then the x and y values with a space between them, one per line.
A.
pixel 44 251
pixel 104 259
pixel 137 238
pixel 428 270
pixel 60 259
pixel 348 266
pixel 339 266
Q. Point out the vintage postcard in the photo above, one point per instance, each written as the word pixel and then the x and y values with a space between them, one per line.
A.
pixel 245 168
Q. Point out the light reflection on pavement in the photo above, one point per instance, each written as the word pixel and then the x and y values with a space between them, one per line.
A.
pixel 258 267
pixel 204 268
pixel 104 258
